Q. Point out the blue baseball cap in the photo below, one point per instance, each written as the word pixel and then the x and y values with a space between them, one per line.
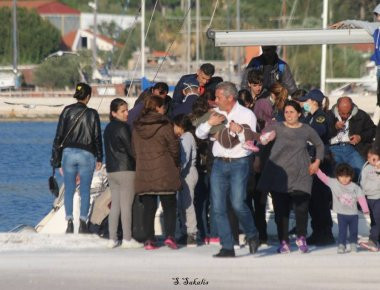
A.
pixel 315 95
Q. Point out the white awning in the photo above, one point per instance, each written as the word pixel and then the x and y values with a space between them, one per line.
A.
pixel 289 37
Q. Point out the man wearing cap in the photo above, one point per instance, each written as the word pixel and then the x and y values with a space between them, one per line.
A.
pixel 373 28
pixel 320 201
pixel 200 79
pixel 351 133
pixel 273 69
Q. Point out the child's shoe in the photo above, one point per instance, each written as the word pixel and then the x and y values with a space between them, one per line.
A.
pixel 353 248
pixel 250 145
pixel 302 245
pixel 283 248
pixel 214 241
pixel 370 246
pixel 150 245
pixel 341 249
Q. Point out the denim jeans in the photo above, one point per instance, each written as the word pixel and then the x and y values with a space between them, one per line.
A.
pixel 229 179
pixel 348 154
pixel 348 222
pixel 75 162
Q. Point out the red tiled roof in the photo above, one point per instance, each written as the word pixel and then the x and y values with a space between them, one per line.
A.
pixel 43 7
pixel 68 39
pixel 106 39
pixel 158 53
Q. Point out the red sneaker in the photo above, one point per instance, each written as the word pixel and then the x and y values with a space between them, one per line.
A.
pixel 150 245
pixel 171 243
pixel 214 241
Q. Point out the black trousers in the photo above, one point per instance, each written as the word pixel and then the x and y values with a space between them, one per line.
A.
pixel 282 204
pixel 378 91
pixel 169 206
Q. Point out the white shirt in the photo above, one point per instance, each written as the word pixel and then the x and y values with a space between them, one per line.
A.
pixel 342 135
pixel 238 114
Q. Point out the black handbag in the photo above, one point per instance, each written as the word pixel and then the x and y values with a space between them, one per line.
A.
pixel 56 157
pixel 53 184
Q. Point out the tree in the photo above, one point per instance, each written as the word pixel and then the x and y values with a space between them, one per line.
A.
pixel 37 38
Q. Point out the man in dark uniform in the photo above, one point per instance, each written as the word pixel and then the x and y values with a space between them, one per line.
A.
pixel 320 202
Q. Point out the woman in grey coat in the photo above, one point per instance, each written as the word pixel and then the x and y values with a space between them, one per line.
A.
pixel 287 174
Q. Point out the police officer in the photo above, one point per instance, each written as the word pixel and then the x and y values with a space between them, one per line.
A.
pixel 320 202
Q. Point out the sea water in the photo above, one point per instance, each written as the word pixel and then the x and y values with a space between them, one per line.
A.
pixel 25 150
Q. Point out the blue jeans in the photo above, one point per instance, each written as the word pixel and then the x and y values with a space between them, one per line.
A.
pixel 229 179
pixel 348 154
pixel 348 222
pixel 75 162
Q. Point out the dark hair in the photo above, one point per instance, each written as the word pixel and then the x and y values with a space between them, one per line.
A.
pixel 298 94
pixel 293 104
pixel 208 69
pixel 372 150
pixel 245 96
pixel 183 121
pixel 200 107
pixel 82 91
pixel 161 86
pixel 344 169
pixel 151 103
pixel 115 105
pixel 255 77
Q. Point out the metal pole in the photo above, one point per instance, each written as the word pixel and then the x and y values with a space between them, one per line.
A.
pixel 324 48
pixel 283 26
pixel 188 49
pixel 142 38
pixel 94 52
pixel 238 28
pixel 197 32
pixel 15 52
pixel 228 49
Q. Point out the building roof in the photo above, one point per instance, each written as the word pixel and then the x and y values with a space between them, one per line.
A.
pixel 106 39
pixel 43 7
pixel 69 38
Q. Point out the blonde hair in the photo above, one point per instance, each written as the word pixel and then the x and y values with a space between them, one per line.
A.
pixel 281 95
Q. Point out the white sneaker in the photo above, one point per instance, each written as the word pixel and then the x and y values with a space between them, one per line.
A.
pixel 131 244
pixel 112 244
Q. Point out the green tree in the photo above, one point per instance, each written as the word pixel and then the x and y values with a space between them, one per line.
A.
pixel 37 38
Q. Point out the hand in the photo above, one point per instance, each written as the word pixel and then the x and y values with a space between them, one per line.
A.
pixel 98 166
pixel 313 167
pixel 235 127
pixel 355 139
pixel 338 25
pixel 339 125
pixel 267 137
pixel 216 119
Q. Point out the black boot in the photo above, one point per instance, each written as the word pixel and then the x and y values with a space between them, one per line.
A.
pixel 253 244
pixel 70 227
pixel 224 253
pixel 83 229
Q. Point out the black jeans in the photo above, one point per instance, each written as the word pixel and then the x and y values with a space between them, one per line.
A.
pixel 169 206
pixel 282 204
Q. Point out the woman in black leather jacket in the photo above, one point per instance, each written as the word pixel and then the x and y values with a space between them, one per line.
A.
pixel 79 133
pixel 121 166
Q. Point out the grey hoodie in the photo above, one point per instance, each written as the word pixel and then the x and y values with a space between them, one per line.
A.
pixel 370 181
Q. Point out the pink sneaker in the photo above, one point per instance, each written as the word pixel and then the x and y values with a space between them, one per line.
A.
pixel 150 245
pixel 250 145
pixel 214 241
pixel 302 245
pixel 283 248
pixel 207 240
pixel 171 243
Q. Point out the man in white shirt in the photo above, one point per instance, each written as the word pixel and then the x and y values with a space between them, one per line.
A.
pixel 230 170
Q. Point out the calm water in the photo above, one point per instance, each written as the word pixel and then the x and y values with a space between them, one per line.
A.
pixel 25 150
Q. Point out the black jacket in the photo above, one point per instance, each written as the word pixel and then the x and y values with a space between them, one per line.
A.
pixel 87 133
pixel 377 139
pixel 360 124
pixel 118 148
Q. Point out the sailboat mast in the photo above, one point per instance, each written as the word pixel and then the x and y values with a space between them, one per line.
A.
pixel 142 39
pixel 188 49
pixel 197 8
pixel 14 36
pixel 324 47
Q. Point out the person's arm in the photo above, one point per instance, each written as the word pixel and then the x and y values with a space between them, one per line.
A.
pixel 172 144
pixel 178 94
pixel 323 177
pixel 98 142
pixel 251 122
pixel 320 150
pixel 186 146
pixel 126 136
pixel 204 128
pixel 368 129
pixel 370 27
pixel 362 200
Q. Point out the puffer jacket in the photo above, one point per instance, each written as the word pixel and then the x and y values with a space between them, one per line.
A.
pixel 157 155
pixel 87 133
pixel 118 147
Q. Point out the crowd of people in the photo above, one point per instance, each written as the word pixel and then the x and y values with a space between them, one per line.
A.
pixel 213 154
